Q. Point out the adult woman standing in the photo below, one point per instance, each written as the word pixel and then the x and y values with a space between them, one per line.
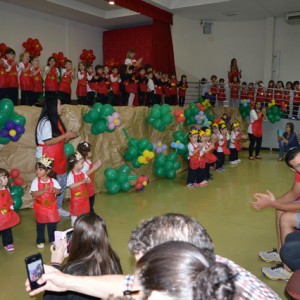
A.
pixel 234 71
pixel 287 140
pixel 257 115
pixel 50 136
pixel 90 254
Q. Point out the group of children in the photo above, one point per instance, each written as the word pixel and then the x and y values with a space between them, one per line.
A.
pixel 254 92
pixel 124 85
pixel 207 150
pixel 44 190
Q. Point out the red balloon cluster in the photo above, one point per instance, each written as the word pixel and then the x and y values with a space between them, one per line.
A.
pixel 33 46
pixel 141 182
pixel 15 178
pixel 111 63
pixel 3 47
pixel 60 59
pixel 87 56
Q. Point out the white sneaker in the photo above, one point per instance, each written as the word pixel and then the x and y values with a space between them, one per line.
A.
pixel 271 256
pixel 277 272
pixel 40 245
pixel 238 161
pixel 63 213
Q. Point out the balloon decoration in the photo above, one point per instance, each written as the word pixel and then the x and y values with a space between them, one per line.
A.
pixel 274 113
pixel 226 118
pixel 245 108
pixel 102 117
pixel 160 117
pixel 16 194
pixel 141 182
pixel 33 46
pixel 199 113
pixel 205 103
pixel 3 47
pixel 179 115
pixel 190 114
pixel 60 59
pixel 14 178
pixel 159 147
pixel 283 106
pixel 180 138
pixel 11 123
pixel 117 180
pixel 139 152
pixel 87 56
pixel 166 165
pixel 111 63
pixel 69 149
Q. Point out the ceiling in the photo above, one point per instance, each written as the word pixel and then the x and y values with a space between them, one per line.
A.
pixel 99 13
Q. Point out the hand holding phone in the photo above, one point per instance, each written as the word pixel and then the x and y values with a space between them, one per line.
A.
pixel 35 269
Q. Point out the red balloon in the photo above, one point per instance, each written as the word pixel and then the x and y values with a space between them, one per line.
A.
pixel 18 181
pixel 14 173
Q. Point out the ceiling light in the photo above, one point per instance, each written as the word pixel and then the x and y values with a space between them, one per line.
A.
pixel 111 2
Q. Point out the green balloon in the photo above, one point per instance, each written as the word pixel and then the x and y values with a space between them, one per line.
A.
pixel 19 119
pixel 125 169
pixel 172 157
pixel 171 174
pixel 91 116
pixel 111 174
pixel 168 166
pixel 6 106
pixel 160 172
pixel 150 120
pixel 3 119
pixel 187 113
pixel 277 118
pixel 69 149
pixel 195 110
pixel 131 153
pixel 112 187
pixel 16 191
pixel 106 110
pixel 177 165
pixel 167 119
pixel 155 113
pixel 122 177
pixel 126 186
pixel 4 141
pixel 99 126
pixel 165 109
pixel 97 106
pixel 177 135
pixel 143 144
pixel 160 159
pixel 17 203
pixel 135 163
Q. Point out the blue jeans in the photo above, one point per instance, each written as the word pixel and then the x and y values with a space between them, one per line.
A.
pixel 290 251
pixel 62 180
pixel 282 148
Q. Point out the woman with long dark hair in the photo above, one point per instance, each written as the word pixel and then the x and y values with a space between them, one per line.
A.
pixel 50 137
pixel 287 140
pixel 90 254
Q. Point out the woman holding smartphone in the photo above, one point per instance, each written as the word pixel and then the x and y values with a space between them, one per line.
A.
pixel 90 254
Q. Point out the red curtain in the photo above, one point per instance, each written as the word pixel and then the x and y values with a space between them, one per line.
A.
pixel 162 47
pixel 116 43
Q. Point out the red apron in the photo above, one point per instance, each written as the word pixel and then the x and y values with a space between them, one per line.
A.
pixel 12 78
pixel 51 83
pixel 79 203
pixel 221 96
pixel 8 217
pixel 296 96
pixel 257 127
pixel 173 87
pixel 65 83
pixel 278 96
pixel 260 94
pixel 26 79
pixel 81 90
pixel 3 77
pixel 269 95
pixel 115 85
pixel 37 81
pixel 243 94
pixel 196 162
pixel 45 206
pixel 182 90
pixel 142 84
pixel 210 158
pixel 234 91
pixel 226 150
pixel 237 143
pixel 58 154
pixel 91 186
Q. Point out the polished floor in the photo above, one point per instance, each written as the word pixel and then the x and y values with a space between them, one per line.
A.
pixel 237 230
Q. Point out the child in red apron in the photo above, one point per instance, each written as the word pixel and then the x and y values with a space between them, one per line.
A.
pixel 182 86
pixel 234 145
pixel 26 79
pixel 115 80
pixel 8 217
pixel 81 89
pixel 196 164
pixel 44 189
pixel 12 83
pixel 85 149
pixel 51 78
pixel 221 95
pixel 77 182
pixel 64 87
pixel 222 149
pixel 37 73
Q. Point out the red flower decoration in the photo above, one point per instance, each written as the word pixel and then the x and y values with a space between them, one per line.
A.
pixel 141 182
pixel 179 115
pixel 60 59
pixel 87 56
pixel 33 46
pixel 200 106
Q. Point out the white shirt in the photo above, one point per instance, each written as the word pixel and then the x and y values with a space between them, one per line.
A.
pixel 253 117
pixel 70 178
pixel 221 142
pixel 150 85
pixel 43 133
pixel 86 166
pixel 34 185
pixel 233 137
pixel 192 148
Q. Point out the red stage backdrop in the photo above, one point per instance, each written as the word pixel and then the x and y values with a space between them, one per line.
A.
pixel 116 43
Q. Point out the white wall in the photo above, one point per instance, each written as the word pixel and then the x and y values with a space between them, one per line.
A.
pixel 55 34
pixel 252 43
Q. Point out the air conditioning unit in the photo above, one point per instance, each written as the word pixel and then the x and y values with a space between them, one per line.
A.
pixel 293 18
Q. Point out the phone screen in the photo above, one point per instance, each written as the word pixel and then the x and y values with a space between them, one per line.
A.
pixel 35 269
pixel 69 239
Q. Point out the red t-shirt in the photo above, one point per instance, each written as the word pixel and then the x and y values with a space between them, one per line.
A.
pixel 297 177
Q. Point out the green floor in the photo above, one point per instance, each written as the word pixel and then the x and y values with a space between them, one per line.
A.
pixel 237 230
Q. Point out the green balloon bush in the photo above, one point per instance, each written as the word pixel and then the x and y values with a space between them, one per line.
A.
pixel 166 165
pixel 160 117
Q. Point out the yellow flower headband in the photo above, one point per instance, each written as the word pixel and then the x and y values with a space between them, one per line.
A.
pixel 46 162
pixel 236 124
pixel 193 131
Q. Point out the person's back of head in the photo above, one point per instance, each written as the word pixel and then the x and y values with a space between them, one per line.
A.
pixel 90 250
pixel 179 270
pixel 290 155
pixel 170 227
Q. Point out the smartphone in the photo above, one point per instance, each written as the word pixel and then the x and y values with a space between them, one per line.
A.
pixel 67 234
pixel 35 269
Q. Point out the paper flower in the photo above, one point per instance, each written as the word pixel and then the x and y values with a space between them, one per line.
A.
pixel 113 121
pixel 12 130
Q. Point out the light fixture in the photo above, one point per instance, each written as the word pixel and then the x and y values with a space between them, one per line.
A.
pixel 111 2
